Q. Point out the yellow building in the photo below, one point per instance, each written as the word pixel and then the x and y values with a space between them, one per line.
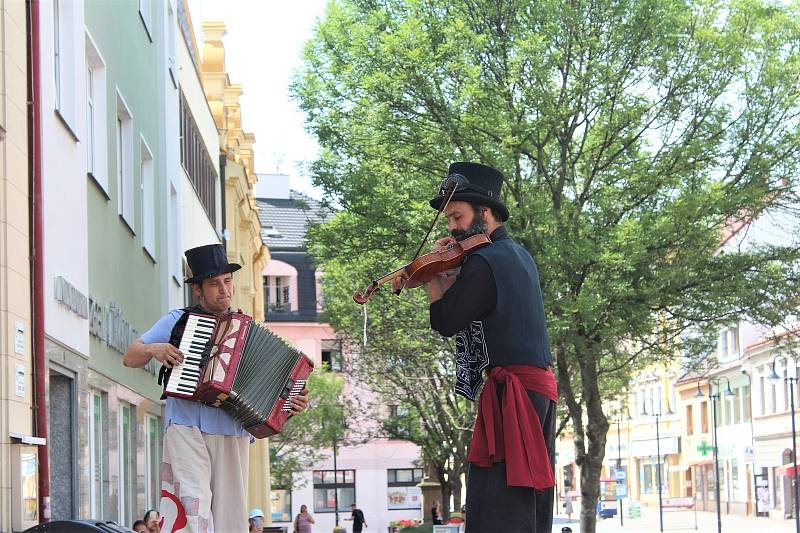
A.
pixel 18 458
pixel 242 229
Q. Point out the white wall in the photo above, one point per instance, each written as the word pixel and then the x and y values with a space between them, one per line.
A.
pixel 170 161
pixel 64 182
pixel 196 228
pixel 371 462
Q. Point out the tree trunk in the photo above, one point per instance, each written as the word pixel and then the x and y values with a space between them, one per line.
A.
pixel 456 497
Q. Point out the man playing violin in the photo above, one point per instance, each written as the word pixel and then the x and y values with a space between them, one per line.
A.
pixel 493 308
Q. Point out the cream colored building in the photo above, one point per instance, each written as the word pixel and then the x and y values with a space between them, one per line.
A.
pixel 18 479
pixel 242 230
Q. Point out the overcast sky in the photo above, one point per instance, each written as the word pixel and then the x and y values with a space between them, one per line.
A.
pixel 262 49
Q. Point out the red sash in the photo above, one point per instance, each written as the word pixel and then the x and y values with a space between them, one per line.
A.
pixel 515 434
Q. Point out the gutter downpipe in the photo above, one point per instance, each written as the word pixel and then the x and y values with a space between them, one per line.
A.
pixel 37 248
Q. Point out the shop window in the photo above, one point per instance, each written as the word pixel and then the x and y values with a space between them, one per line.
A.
pixel 327 488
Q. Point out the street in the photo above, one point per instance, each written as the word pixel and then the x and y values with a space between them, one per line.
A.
pixel 682 520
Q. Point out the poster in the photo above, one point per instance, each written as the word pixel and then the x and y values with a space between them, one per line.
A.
pixel 404 498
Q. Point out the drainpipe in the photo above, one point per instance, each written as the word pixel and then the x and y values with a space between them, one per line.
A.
pixel 37 249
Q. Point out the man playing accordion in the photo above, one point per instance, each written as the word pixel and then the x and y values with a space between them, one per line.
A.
pixel 205 464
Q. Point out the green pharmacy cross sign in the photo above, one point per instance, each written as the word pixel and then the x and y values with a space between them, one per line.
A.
pixel 704 448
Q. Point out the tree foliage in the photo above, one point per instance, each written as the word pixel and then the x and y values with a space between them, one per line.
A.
pixel 306 438
pixel 633 135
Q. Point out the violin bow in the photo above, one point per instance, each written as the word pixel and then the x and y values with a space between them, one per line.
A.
pixel 451 185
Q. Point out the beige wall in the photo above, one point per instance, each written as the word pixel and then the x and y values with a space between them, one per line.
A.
pixel 244 244
pixel 15 302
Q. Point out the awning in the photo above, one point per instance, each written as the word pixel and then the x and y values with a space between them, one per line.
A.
pixel 786 470
pixel 701 462
pixel 678 468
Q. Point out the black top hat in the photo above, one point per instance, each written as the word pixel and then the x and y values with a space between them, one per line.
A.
pixel 475 183
pixel 209 260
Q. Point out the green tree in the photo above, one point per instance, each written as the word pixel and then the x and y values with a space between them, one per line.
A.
pixel 306 438
pixel 632 135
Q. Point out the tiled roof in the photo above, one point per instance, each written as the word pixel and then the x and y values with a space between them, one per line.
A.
pixel 284 221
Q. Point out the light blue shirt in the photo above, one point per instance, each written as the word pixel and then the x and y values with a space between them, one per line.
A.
pixel 187 412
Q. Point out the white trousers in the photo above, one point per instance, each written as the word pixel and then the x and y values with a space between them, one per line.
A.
pixel 203 482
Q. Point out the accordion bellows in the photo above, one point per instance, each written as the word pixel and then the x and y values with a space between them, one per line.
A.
pixel 252 374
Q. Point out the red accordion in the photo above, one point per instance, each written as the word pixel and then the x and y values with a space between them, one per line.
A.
pixel 250 372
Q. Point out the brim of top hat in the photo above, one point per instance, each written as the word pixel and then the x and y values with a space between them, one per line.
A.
pixel 229 269
pixel 475 198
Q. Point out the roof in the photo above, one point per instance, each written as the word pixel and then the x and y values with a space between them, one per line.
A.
pixel 284 221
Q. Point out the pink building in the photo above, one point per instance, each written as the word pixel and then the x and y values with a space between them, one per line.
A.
pixel 380 476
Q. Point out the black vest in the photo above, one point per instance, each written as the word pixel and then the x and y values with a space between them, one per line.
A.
pixel 515 332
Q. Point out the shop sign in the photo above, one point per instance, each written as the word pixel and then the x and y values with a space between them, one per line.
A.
pixel 72 298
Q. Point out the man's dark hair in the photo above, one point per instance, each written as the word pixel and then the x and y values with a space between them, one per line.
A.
pixel 495 213
pixel 138 523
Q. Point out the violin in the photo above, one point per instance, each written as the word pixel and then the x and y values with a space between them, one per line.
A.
pixel 425 267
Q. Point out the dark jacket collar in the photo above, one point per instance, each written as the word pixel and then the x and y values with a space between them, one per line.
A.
pixel 499 234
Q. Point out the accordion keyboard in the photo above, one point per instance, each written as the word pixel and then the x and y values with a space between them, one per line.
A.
pixel 291 392
pixel 185 376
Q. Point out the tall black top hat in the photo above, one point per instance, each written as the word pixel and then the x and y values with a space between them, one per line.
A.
pixel 474 183
pixel 208 260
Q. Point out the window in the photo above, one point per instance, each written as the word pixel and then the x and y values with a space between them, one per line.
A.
pixel 197 162
pixel 153 462
pixel 326 487
pixel 278 294
pixel 148 208
pixel 65 60
pixel 332 354
pixel 402 491
pixel 127 470
pixel 748 411
pixel 96 117
pixel 734 474
pixel 737 407
pixel 97 447
pixel 146 14
pixel 762 395
pixel 173 235
pixel 704 417
pixel 728 410
pixel 171 28
pixel 281 505
pixel 125 189
pixel 689 420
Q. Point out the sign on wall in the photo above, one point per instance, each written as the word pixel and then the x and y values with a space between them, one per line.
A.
pixel 404 498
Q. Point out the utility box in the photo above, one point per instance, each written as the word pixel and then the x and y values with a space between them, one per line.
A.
pixel 24 486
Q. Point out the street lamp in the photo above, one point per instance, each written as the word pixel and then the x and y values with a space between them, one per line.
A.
pixel 715 398
pixel 658 456
pixel 792 381
pixel 752 442
pixel 618 421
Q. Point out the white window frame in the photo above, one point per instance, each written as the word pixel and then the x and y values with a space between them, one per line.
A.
pixel 65 62
pixel 96 485
pixel 152 482
pixel 148 198
pixel 172 27
pixel 124 158
pixel 146 14
pixel 125 474
pixel 173 235
pixel 96 115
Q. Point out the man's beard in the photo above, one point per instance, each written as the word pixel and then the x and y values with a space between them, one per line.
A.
pixel 478 226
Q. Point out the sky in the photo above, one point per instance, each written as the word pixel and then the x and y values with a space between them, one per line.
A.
pixel 262 49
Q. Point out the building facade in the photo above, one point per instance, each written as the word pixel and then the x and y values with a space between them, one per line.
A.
pixel 380 475
pixel 242 228
pixel 18 449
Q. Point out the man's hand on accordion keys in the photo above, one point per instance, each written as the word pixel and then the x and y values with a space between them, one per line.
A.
pixel 165 353
pixel 299 402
